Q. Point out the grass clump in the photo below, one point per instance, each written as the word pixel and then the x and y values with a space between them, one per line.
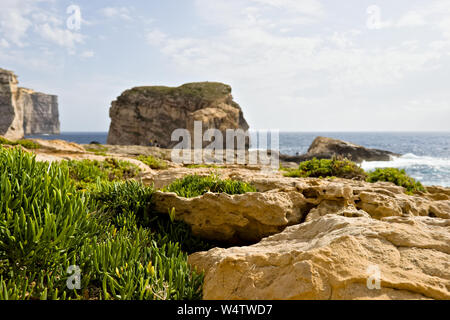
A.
pixel 194 185
pixel 126 204
pixel 109 235
pixel 28 144
pixel 153 162
pixel 398 177
pixel 343 168
pixel 315 168
pixel 97 149
pixel 197 166
pixel 86 172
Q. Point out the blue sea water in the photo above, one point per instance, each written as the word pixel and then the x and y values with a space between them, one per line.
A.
pixel 426 156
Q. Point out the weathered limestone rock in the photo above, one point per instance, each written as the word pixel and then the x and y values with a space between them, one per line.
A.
pixel 326 148
pixel 11 112
pixel 24 111
pixel 328 196
pixel 58 146
pixel 41 115
pixel 146 114
pixel 235 218
pixel 333 257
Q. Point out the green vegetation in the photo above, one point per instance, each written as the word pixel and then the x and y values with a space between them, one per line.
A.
pixel 343 168
pixel 396 176
pixel 194 186
pixel 28 144
pixel 86 172
pixel 126 204
pixel 97 149
pixel 315 168
pixel 209 91
pixel 196 166
pixel 153 162
pixel 121 248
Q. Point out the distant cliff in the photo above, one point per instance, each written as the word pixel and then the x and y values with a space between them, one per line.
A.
pixel 144 114
pixel 24 111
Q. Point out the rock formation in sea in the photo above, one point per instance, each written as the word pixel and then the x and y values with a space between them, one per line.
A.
pixel 146 115
pixel 326 148
pixel 24 111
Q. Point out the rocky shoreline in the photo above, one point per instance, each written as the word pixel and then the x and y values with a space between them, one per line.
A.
pixel 302 238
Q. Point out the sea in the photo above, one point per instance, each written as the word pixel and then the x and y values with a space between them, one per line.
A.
pixel 425 155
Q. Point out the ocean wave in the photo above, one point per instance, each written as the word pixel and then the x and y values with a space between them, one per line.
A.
pixel 428 170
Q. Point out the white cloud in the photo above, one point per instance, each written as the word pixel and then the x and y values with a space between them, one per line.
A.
pixel 4 43
pixel 14 22
pixel 156 37
pixel 116 12
pixel 87 54
pixel 314 70
pixel 411 19
pixel 21 20
pixel 307 7
pixel 60 36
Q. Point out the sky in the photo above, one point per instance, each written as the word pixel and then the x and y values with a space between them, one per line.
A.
pixel 294 65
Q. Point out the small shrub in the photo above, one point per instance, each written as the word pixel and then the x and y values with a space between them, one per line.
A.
pixel 194 185
pixel 87 172
pixel 315 168
pixel 153 162
pixel 97 149
pixel 396 176
pixel 128 204
pixel 23 142
pixel 196 166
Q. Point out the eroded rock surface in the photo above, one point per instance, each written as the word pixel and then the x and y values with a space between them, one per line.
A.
pixel 24 111
pixel 235 218
pixel 11 112
pixel 145 115
pixel 333 257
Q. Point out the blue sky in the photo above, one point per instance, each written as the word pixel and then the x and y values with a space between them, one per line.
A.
pixel 301 65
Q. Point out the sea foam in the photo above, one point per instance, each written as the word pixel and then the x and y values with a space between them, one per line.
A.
pixel 428 170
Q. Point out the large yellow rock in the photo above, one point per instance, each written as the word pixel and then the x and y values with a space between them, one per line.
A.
pixel 235 218
pixel 336 257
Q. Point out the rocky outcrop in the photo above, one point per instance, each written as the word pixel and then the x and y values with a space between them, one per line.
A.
pixel 24 111
pixel 335 257
pixel 326 148
pixel 244 218
pixel 41 115
pixel 11 112
pixel 146 115
pixel 318 238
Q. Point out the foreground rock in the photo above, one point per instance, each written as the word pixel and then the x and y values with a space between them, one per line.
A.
pixel 24 111
pixel 327 196
pixel 150 114
pixel 326 148
pixel 334 257
pixel 245 218
pixel 58 146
